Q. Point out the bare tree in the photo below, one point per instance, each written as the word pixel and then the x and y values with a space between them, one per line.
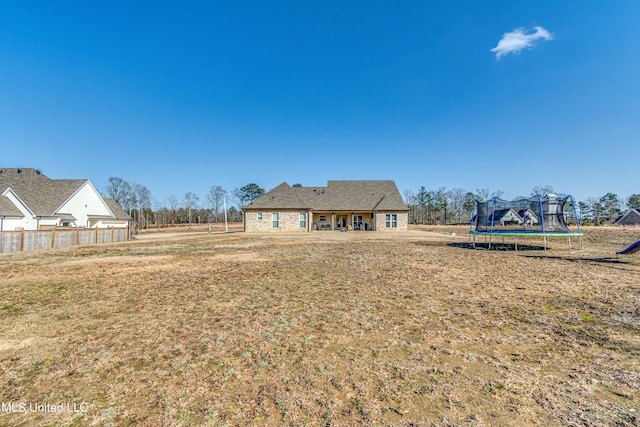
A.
pixel 457 198
pixel 410 201
pixel 172 202
pixel 142 200
pixel 190 202
pixel 594 209
pixel 497 194
pixel 482 194
pixel 162 215
pixel 542 190
pixel 215 198
pixel 117 189
pixel 424 199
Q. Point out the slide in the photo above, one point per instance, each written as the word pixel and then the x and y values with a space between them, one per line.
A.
pixel 631 249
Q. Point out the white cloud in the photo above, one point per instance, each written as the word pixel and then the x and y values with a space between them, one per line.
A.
pixel 516 40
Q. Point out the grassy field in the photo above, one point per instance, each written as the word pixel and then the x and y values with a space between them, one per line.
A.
pixel 323 329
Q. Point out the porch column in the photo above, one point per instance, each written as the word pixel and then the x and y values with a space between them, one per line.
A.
pixel 333 221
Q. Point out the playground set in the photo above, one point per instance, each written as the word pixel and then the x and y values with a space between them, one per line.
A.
pixel 632 249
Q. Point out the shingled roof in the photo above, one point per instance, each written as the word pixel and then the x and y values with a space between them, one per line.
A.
pixel 631 217
pixel 336 196
pixel 281 197
pixel 116 209
pixel 41 194
pixel 8 209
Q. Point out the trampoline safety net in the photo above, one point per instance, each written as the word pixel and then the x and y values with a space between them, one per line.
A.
pixel 538 214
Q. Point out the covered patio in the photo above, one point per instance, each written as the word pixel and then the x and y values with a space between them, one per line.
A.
pixel 343 221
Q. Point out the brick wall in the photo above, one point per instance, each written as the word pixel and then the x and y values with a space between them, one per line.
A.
pixel 290 221
pixel 381 221
pixel 287 220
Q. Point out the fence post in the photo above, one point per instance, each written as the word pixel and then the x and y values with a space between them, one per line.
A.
pixel 97 236
pixel 113 230
pixel 53 238
pixel 21 246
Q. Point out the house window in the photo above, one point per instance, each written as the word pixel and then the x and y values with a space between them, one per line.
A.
pixel 275 220
pixel 392 221
pixel 303 220
pixel 322 217
pixel 259 216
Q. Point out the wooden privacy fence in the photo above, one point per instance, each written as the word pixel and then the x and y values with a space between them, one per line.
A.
pixel 27 240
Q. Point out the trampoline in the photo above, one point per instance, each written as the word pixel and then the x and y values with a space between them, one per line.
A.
pixel 538 216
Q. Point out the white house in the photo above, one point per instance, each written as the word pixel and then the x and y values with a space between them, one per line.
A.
pixel 30 200
pixel 529 216
pixel 506 216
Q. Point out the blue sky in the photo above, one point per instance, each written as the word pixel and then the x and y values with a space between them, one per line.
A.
pixel 180 96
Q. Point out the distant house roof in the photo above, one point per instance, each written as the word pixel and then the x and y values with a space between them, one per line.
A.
pixel 41 194
pixel 336 196
pixel 507 215
pixel 528 213
pixel 631 217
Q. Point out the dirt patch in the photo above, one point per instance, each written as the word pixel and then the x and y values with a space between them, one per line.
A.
pixel 239 257
pixel 15 344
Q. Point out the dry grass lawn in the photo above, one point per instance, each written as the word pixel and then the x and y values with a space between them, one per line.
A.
pixel 323 329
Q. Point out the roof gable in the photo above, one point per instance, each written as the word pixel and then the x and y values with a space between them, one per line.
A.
pixel 8 208
pixel 87 200
pixel 631 217
pixel 41 194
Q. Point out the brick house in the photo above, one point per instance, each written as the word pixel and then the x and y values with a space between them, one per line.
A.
pixel 341 205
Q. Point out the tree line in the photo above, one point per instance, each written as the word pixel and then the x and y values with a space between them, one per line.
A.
pixel 436 206
pixel 605 209
pixel 455 206
pixel 145 211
